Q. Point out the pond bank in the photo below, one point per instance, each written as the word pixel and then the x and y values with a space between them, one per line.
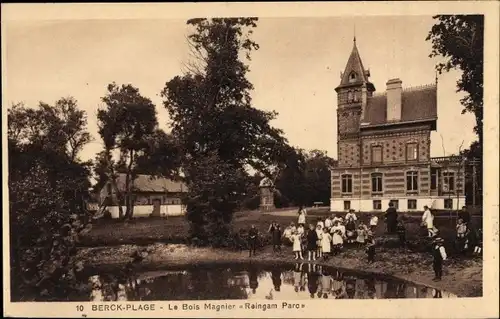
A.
pixel 460 277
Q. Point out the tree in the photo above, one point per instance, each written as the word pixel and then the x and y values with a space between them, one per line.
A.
pixel 47 189
pixel 129 125
pixel 459 39
pixel 318 177
pixel 212 116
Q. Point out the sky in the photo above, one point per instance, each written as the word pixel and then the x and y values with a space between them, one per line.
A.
pixel 294 72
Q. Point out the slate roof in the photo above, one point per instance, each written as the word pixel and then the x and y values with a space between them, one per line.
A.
pixel 148 183
pixel 354 64
pixel 418 103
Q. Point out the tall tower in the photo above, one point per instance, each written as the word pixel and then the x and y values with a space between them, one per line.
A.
pixel 352 93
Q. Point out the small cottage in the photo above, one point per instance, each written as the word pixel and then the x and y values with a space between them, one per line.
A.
pixel 156 196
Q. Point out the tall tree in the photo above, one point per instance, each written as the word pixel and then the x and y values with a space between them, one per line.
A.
pixel 47 188
pixel 212 116
pixel 318 177
pixel 459 39
pixel 127 124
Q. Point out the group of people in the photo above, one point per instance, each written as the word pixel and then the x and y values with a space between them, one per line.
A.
pixel 326 236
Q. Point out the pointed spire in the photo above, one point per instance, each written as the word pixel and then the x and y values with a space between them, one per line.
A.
pixel 354 72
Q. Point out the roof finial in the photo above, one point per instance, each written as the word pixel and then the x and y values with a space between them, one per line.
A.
pixel 354 33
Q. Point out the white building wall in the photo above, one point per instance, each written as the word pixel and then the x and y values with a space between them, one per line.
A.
pixel 366 205
pixel 146 210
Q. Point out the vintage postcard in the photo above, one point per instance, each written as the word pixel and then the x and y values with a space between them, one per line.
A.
pixel 286 160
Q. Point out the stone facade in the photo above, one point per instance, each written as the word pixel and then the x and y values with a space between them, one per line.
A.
pixel 383 147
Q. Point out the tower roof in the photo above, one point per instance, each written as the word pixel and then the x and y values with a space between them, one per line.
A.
pixel 354 72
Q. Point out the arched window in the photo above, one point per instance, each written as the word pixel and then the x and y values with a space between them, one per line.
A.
pixel 352 77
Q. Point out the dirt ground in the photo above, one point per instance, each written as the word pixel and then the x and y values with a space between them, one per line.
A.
pixel 461 277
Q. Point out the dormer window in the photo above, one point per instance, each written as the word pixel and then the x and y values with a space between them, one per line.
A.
pixel 352 77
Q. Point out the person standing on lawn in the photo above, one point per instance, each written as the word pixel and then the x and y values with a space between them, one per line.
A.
pixel 252 240
pixel 302 216
pixel 312 240
pixel 428 221
pixel 401 230
pixel 373 222
pixel 297 245
pixel 370 247
pixel 391 218
pixel 439 255
pixel 275 231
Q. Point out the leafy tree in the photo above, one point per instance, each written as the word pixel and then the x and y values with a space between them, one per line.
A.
pixel 127 124
pixel 459 39
pixel 47 189
pixel 212 117
pixel 318 177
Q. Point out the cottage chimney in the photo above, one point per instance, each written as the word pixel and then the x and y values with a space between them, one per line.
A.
pixel 394 91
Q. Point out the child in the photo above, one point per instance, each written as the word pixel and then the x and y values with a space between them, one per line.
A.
pixel 297 245
pixel 337 241
pixel 361 234
pixel 252 240
pixel 370 248
pixel 320 222
pixel 326 244
pixel 350 228
pixel 373 222
pixel 275 231
pixel 478 242
pixel 328 223
pixel 312 239
pixel 300 230
pixel 319 233
pixel 461 236
pixel 401 230
pixel 351 215
pixel 439 255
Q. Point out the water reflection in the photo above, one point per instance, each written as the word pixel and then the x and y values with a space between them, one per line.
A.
pixel 300 281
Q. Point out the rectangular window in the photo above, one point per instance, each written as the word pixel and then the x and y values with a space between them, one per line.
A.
pixel 434 178
pixel 448 203
pixel 411 152
pixel 448 181
pixel 346 183
pixel 377 183
pixel 347 204
pixel 376 154
pixel 377 205
pixel 395 203
pixel 412 204
pixel 412 181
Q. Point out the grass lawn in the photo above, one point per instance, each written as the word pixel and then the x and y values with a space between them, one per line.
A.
pixel 142 231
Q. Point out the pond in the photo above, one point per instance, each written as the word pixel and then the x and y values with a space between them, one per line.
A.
pixel 250 281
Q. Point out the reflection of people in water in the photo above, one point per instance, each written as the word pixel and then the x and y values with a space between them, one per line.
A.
pixel 312 280
pixel 401 290
pixel 252 277
pixel 350 288
pixel 326 283
pixel 390 291
pixel 276 277
pixel 297 277
pixel 370 288
pixel 437 293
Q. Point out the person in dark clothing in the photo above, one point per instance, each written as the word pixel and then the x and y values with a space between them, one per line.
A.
pixel 370 248
pixel 401 230
pixel 465 216
pixel 253 280
pixel 391 217
pixel 312 280
pixel 276 278
pixel 275 231
pixel 312 242
pixel 252 240
pixel 439 255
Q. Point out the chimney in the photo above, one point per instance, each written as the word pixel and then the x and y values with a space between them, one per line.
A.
pixel 394 91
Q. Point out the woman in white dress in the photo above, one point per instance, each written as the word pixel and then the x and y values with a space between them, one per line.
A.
pixel 302 216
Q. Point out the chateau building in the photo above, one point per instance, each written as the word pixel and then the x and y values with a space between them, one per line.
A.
pixel 383 144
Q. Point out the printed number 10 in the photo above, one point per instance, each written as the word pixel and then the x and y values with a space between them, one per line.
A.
pixel 79 308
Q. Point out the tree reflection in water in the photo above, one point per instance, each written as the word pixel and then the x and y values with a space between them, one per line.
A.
pixel 300 281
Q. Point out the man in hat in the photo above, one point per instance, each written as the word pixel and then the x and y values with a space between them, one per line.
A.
pixel 439 255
